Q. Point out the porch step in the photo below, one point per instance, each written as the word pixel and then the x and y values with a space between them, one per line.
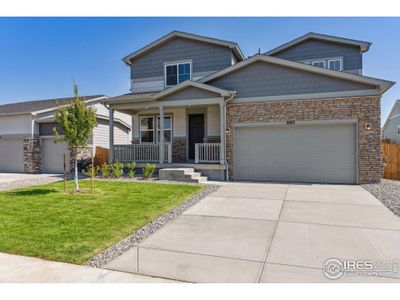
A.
pixel 181 174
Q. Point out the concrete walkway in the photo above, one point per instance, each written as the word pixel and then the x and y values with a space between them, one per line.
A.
pixel 22 269
pixel 251 232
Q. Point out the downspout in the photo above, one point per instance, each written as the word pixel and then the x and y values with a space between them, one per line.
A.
pixel 224 133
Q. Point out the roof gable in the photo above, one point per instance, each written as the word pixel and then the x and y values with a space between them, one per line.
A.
pixel 42 105
pixel 177 34
pixel 364 46
pixel 381 85
pixel 191 90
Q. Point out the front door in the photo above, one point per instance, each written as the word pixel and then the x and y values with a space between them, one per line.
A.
pixel 196 132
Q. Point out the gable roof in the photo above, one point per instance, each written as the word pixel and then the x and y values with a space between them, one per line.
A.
pixel 364 46
pixel 190 83
pixel 174 34
pixel 40 105
pixel 381 84
pixel 390 116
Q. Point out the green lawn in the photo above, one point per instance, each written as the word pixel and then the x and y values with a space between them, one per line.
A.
pixel 44 221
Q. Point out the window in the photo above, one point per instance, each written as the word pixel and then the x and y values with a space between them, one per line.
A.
pixel 319 63
pixel 398 129
pixel 167 129
pixel 335 64
pixel 177 73
pixel 147 129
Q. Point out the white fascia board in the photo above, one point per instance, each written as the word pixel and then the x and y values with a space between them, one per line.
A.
pixel 89 102
pixel 15 114
pixel 364 46
pixel 383 84
pixel 189 83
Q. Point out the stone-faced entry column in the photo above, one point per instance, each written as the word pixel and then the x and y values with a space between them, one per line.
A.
pixel 32 156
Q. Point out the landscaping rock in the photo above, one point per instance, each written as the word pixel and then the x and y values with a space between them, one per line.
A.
pixel 388 192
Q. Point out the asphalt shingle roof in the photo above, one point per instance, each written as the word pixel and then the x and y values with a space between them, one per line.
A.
pixel 36 105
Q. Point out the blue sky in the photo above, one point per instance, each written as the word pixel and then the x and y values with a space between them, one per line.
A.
pixel 39 57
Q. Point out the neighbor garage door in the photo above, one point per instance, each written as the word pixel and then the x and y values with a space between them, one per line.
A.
pixel 53 156
pixel 305 153
pixel 11 154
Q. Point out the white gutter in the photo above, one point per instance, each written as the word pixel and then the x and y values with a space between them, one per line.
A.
pixel 224 133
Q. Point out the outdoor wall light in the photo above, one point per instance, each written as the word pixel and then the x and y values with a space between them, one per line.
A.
pixel 227 130
pixel 368 126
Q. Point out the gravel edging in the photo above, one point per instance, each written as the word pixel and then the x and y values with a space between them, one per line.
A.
pixel 142 233
pixel 388 192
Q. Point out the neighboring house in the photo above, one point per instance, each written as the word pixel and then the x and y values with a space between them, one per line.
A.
pixel 391 128
pixel 27 141
pixel 300 112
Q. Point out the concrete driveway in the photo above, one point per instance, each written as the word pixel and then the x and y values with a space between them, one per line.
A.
pixel 10 181
pixel 252 232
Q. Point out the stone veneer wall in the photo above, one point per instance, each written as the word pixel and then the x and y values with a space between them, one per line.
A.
pixel 32 156
pixel 178 149
pixel 364 109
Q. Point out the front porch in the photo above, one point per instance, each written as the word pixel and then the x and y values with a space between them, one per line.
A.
pixel 205 153
pixel 179 126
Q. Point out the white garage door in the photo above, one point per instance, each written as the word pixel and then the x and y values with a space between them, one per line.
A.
pixel 53 156
pixel 302 153
pixel 11 155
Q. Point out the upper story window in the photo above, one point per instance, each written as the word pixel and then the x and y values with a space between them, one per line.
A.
pixel 335 64
pixel 177 72
pixel 318 63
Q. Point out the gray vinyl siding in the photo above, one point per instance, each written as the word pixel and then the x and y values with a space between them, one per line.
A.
pixel 315 49
pixel 265 79
pixel 101 134
pixel 390 131
pixel 205 58
pixel 190 93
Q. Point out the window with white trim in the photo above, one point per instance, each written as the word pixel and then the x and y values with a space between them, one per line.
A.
pixel 398 129
pixel 335 64
pixel 148 129
pixel 177 72
pixel 167 129
pixel 318 63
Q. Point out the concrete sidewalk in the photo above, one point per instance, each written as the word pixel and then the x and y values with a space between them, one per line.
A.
pixel 22 269
pixel 260 232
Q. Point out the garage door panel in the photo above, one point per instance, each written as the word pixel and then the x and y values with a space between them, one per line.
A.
pixel 53 156
pixel 11 155
pixel 323 153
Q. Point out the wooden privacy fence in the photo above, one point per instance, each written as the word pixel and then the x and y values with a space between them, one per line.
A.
pixel 391 160
pixel 101 155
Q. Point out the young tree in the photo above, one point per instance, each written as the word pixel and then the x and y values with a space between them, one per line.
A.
pixel 77 121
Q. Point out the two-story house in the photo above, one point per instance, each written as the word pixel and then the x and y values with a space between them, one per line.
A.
pixel 300 112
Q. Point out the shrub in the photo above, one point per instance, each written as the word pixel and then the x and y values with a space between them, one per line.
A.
pixel 131 168
pixel 105 170
pixel 149 170
pixel 117 169
pixel 88 171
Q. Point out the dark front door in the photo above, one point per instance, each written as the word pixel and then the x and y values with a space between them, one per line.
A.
pixel 196 132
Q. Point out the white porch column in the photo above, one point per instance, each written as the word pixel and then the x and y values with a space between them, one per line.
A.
pixel 111 140
pixel 222 125
pixel 161 134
